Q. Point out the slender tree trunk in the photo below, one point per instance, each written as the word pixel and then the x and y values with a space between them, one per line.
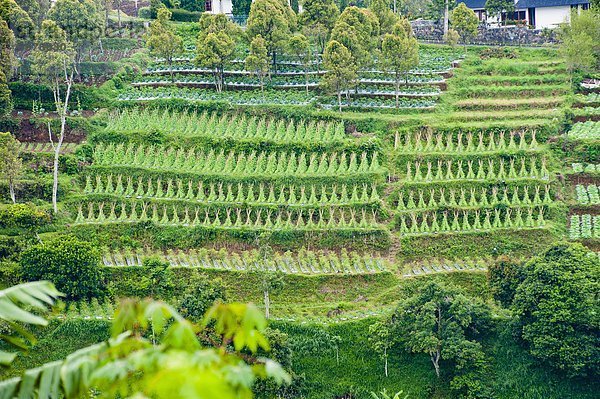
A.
pixel 11 187
pixel 386 361
pixel 397 91
pixel 340 100
pixel 170 63
pixel 63 122
pixel 119 16
pixel 267 304
pixel 446 17
pixel 306 79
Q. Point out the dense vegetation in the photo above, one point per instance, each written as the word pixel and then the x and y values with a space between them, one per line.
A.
pixel 409 217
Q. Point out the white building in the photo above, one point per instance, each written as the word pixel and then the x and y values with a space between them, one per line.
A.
pixel 536 13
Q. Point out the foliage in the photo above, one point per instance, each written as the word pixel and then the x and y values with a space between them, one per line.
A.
pixel 241 7
pixel 317 20
pixel 401 53
pixel 16 18
pixel 273 20
pixel 161 38
pixel 177 367
pixel 22 216
pixel 381 340
pixel 557 308
pixel 6 104
pixel 465 22
pixel 504 276
pixel 580 40
pixel 358 31
pixel 71 264
pixel 442 322
pixel 341 69
pixel 215 52
pixel 451 38
pixel 201 293
pixel 495 8
pixel 53 55
pixel 385 15
pixel 11 165
pixel 8 60
pixel 257 60
pixel 81 20
pixel 16 305
pixel 300 46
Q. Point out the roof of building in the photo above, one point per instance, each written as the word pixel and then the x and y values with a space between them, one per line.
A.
pixel 521 4
pixel 474 4
pixel 548 3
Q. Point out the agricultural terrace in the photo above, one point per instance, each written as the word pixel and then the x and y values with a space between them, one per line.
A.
pixel 399 216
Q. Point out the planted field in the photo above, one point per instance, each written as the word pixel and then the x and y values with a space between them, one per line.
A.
pixel 587 195
pixel 582 227
pixel 435 266
pixel 303 262
pixel 586 168
pixel 585 131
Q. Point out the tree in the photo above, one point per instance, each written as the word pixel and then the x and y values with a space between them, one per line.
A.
pixel 386 17
pixel 36 9
pixel 273 20
pixel 241 7
pixel 299 46
pixel 11 166
pixel 317 19
pixel 71 264
pixel 133 364
pixel 16 304
pixel 504 276
pixel 162 40
pixel 401 54
pixel 451 38
pixel 6 104
pixel 465 22
pixel 580 42
pixel 495 8
pixel 341 69
pixel 380 339
pixel 442 322
pixel 52 61
pixel 257 60
pixel 358 30
pixel 200 295
pixel 557 308
pixel 8 61
pixel 215 52
pixel 17 19
pixel 81 20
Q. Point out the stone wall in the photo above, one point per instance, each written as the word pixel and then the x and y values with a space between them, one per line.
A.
pixel 510 35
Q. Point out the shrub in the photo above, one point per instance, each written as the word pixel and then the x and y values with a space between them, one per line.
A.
pixel 200 295
pixel 557 308
pixel 504 276
pixel 72 265
pixel 25 216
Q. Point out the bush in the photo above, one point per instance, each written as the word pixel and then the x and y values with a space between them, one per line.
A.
pixel 145 12
pixel 72 265
pixel 504 276
pixel 557 308
pixel 182 15
pixel 200 295
pixel 23 216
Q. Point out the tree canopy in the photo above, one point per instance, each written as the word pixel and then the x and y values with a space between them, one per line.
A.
pixel 17 19
pixel 558 308
pixel 317 19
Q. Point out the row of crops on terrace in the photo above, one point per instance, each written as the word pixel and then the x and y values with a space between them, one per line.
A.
pixel 583 227
pixel 508 90
pixel 301 262
pixel 469 182
pixel 432 266
pixel 588 130
pixel 231 173
pixel 292 84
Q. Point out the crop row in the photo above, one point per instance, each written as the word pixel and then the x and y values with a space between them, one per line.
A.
pixel 516 168
pixel 229 218
pixel 587 195
pixel 428 142
pixel 442 197
pixel 303 262
pixel 585 131
pixel 250 97
pixel 586 168
pixel 46 147
pixel 376 102
pixel 584 227
pixel 236 162
pixel 467 220
pixel 222 126
pixel 258 194
pixel 443 266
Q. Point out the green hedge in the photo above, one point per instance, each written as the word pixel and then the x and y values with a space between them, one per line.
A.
pixel 25 93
